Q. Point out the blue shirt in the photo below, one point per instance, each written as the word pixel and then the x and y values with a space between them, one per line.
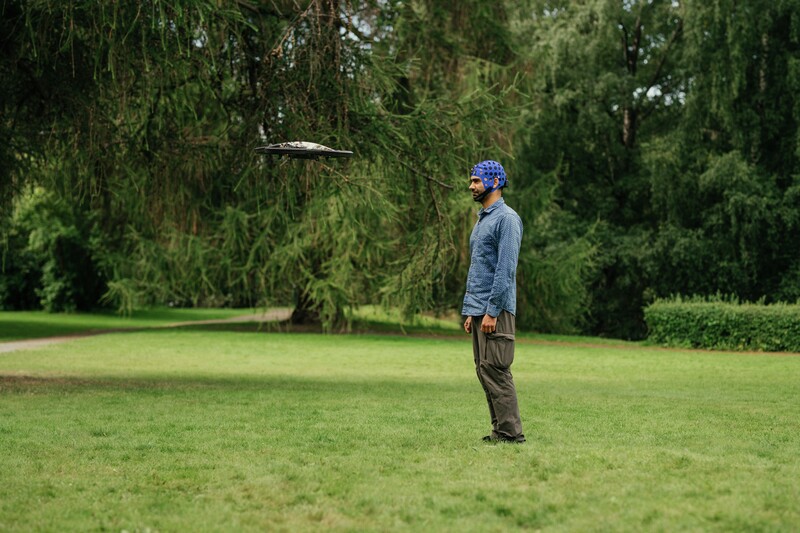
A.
pixel 494 250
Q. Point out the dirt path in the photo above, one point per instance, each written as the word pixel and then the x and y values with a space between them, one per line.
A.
pixel 270 315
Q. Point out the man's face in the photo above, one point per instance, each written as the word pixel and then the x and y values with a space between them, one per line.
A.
pixel 476 185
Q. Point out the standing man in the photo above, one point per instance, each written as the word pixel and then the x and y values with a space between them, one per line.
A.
pixel 490 304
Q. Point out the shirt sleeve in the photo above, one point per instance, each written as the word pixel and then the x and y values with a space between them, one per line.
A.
pixel 509 240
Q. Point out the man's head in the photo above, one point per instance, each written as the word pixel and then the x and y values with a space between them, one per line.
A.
pixel 485 178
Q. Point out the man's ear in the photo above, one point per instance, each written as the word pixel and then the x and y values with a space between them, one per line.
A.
pixel 496 182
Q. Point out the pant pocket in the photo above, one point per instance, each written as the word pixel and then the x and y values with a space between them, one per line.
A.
pixel 500 349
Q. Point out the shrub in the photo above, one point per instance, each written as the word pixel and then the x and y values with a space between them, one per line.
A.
pixel 724 325
pixel 45 257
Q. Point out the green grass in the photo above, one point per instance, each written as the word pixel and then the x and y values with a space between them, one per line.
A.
pixel 377 319
pixel 185 430
pixel 16 325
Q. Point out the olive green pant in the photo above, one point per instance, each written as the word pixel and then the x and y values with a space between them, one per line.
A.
pixel 494 353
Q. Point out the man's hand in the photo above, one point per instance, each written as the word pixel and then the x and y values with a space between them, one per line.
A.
pixel 489 324
pixel 468 324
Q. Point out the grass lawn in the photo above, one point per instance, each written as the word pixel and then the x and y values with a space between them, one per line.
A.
pixel 188 430
pixel 16 325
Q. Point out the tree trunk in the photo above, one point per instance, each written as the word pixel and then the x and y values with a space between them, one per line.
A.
pixel 630 48
pixel 629 116
pixel 305 312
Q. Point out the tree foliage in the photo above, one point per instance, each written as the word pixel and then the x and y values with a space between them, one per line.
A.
pixel 154 131
pixel 652 148
pixel 669 130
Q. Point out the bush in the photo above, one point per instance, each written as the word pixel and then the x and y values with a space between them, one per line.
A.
pixel 724 325
pixel 45 257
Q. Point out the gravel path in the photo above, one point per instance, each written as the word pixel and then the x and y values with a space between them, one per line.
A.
pixel 270 315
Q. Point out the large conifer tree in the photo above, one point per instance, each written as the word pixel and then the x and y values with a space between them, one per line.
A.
pixel 145 117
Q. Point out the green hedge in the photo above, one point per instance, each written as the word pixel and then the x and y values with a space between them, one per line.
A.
pixel 724 325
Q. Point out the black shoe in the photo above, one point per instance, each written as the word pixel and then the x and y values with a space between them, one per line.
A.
pixel 492 437
pixel 502 438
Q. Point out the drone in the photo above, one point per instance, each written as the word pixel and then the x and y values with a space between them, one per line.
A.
pixel 302 150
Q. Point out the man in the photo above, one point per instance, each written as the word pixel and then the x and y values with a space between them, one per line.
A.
pixel 490 303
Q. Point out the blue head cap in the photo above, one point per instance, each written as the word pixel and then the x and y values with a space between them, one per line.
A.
pixel 487 171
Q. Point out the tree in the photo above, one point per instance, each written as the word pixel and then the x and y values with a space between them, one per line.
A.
pixel 668 130
pixel 161 103
pixel 606 76
pixel 724 182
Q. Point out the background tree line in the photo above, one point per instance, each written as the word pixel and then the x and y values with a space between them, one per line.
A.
pixel 652 150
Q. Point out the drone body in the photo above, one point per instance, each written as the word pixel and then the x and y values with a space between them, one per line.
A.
pixel 302 150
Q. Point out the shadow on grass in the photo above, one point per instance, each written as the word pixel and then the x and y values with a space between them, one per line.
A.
pixel 360 327
pixel 26 383
pixel 13 330
pixel 368 327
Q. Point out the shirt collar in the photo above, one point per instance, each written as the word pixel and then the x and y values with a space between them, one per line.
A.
pixel 482 212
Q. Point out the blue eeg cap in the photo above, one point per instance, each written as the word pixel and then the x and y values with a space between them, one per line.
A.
pixel 487 171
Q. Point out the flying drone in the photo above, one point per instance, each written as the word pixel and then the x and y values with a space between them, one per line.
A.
pixel 302 150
